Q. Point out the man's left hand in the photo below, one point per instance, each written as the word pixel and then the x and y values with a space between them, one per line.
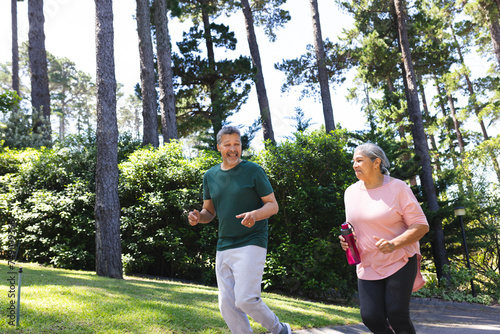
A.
pixel 248 219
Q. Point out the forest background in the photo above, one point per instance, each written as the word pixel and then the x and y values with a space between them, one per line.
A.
pixel 291 41
pixel 48 194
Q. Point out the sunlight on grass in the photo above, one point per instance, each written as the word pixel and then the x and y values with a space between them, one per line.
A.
pixel 79 302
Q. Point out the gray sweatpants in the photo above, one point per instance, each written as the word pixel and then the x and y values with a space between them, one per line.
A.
pixel 239 277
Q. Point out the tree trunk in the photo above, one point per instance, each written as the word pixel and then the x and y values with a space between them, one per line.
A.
pixel 495 37
pixel 431 136
pixel 322 75
pixel 493 25
pixel 216 116
pixel 461 144
pixel 62 122
pixel 15 49
pixel 420 141
pixel 107 205
pixel 447 129
pixel 40 96
pixel 456 124
pixel 265 113
pixel 164 56
pixel 149 112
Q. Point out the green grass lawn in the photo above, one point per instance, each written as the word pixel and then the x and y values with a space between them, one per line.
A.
pixel 65 301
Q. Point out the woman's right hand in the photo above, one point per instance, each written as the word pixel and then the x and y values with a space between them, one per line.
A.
pixel 343 243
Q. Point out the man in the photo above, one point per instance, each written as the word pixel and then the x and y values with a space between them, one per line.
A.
pixel 240 193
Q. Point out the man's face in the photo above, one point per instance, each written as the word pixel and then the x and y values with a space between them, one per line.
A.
pixel 230 149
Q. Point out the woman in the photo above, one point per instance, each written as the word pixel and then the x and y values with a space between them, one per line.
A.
pixel 388 223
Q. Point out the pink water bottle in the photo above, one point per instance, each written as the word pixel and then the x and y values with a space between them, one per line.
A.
pixel 352 252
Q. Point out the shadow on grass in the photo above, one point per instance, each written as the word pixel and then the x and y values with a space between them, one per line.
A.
pixel 75 302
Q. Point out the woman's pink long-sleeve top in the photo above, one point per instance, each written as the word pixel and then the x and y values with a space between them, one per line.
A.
pixel 385 212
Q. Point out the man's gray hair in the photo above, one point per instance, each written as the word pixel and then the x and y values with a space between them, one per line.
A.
pixel 227 130
pixel 373 152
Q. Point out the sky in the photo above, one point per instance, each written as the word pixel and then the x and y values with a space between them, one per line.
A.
pixel 70 33
pixel 70 29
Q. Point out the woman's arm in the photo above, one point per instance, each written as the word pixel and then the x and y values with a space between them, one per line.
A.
pixel 413 234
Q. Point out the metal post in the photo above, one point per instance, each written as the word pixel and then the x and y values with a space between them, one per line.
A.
pixel 467 255
pixel 460 212
pixel 19 296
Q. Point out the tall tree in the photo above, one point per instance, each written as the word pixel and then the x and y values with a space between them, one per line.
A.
pixel 265 112
pixel 216 116
pixel 72 93
pixel 420 139
pixel 148 80
pixel 427 118
pixel 211 90
pixel 322 73
pixel 129 116
pixel 165 73
pixel 486 16
pixel 107 205
pixel 473 97
pixel 84 105
pixel 15 49
pixel 40 96
pixel 477 110
pixel 492 14
pixel 62 76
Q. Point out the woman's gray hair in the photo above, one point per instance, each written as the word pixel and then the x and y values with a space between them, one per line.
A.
pixel 227 130
pixel 373 152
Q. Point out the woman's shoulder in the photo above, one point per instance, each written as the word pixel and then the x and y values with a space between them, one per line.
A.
pixel 400 187
pixel 398 182
pixel 353 187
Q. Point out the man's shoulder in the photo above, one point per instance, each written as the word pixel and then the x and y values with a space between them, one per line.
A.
pixel 250 164
pixel 213 169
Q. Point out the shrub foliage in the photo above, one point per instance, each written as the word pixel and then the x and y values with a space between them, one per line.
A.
pixel 309 175
pixel 47 201
pixel 48 195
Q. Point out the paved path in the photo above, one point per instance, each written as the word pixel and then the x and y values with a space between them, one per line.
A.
pixel 436 317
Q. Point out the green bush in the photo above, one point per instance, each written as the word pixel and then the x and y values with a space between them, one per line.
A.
pixel 309 176
pixel 157 189
pixel 49 194
pixel 458 288
pixel 51 209
pixel 47 202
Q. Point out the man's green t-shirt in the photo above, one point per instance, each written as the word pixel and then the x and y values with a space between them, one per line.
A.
pixel 235 191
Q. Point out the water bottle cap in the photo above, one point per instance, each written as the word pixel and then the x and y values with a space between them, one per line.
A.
pixel 345 226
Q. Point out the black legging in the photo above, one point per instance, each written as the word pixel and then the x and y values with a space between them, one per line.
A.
pixel 385 303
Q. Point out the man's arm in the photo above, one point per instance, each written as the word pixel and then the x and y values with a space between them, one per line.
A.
pixel 269 208
pixel 206 215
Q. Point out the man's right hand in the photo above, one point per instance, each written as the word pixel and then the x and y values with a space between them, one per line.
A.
pixel 194 217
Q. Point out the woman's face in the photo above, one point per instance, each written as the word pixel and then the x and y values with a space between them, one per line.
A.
pixel 364 167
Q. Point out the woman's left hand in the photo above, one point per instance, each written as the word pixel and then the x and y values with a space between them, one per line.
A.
pixel 411 235
pixel 385 246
